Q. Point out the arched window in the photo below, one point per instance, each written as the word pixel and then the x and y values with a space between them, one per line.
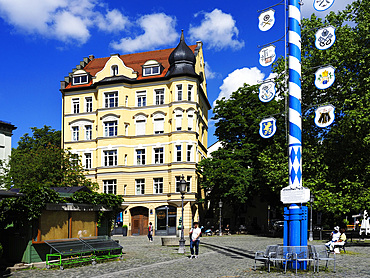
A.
pixel 158 121
pixel 114 70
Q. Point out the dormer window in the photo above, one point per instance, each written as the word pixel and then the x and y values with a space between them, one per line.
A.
pixel 114 70
pixel 80 79
pixel 151 67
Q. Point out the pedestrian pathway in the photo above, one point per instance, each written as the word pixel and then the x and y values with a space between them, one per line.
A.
pixel 226 256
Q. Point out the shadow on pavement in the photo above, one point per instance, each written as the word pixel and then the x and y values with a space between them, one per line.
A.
pixel 228 250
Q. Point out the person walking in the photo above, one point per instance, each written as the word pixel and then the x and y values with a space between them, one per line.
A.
pixel 150 232
pixel 194 240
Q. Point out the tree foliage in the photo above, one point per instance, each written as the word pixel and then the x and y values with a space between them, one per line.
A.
pixel 39 163
pixel 336 160
pixel 39 159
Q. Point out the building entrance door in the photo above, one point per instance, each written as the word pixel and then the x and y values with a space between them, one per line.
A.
pixel 139 221
pixel 165 220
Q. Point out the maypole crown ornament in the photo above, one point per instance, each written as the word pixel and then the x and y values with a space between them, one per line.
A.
pixel 267 127
pixel 324 77
pixel 267 55
pixel 322 5
pixel 325 38
pixel 267 91
pixel 324 115
pixel 266 20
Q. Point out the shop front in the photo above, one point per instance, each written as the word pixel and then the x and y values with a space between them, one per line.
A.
pixel 165 221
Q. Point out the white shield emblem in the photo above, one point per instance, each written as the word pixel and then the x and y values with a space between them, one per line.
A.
pixel 267 127
pixel 325 37
pixel 266 20
pixel 267 55
pixel 322 5
pixel 267 91
pixel 324 77
pixel 324 115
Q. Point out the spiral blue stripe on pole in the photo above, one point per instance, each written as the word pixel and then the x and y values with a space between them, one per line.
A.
pixel 295 114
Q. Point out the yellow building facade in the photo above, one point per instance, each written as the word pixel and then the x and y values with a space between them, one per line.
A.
pixel 139 122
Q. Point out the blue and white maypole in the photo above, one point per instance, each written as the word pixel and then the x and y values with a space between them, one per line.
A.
pixel 295 114
pixel 295 227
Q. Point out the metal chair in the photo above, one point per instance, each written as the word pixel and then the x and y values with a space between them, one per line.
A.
pixel 283 255
pixel 322 254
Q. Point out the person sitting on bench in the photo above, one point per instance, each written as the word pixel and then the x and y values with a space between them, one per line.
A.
pixel 334 237
pixel 341 241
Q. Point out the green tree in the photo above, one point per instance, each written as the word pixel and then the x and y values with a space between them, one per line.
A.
pixel 234 171
pixel 39 159
pixel 336 164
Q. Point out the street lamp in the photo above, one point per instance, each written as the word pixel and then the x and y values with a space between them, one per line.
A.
pixel 183 185
pixel 310 238
pixel 220 206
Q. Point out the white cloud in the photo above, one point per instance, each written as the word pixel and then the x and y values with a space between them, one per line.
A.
pixel 63 20
pixel 209 73
pixel 308 9
pixel 113 21
pixel 159 30
pixel 217 30
pixel 237 78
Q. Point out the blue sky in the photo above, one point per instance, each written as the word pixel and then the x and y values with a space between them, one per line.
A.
pixel 42 40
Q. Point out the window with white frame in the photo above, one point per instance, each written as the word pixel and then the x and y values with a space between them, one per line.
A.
pixel 158 185
pixel 110 186
pixel 88 104
pixel 188 181
pixel 76 105
pixel 114 70
pixel 110 128
pixel 189 153
pixel 188 186
pixel 88 160
pixel 190 92
pixel 88 132
pixel 75 133
pixel 140 186
pixel 151 70
pixel 159 96
pixel 125 159
pixel 126 101
pixel 111 99
pixel 110 158
pixel 179 92
pixel 158 121
pixel 178 118
pixel 158 155
pixel 140 123
pixel 141 98
pixel 140 157
pixel 80 79
pixel 178 153
pixel 190 119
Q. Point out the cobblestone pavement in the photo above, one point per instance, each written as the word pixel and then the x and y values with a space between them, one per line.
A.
pixel 226 256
